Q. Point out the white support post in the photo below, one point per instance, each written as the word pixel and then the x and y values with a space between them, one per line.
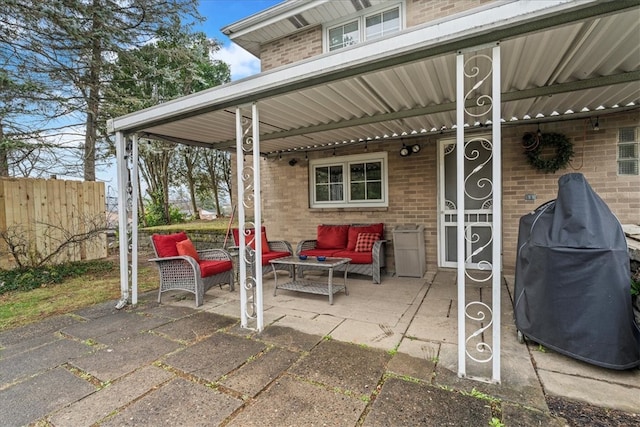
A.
pixel 242 264
pixel 460 238
pixel 257 213
pixel 134 220
pixel 121 150
pixel 497 212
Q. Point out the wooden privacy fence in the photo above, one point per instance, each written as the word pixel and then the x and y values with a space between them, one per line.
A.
pixel 45 213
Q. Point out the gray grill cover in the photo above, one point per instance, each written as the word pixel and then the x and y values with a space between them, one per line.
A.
pixel 572 284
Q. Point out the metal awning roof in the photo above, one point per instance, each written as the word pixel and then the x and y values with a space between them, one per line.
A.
pixel 559 59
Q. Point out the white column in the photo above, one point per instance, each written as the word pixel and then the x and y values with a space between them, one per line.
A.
pixel 497 211
pixel 257 214
pixel 242 264
pixel 248 181
pixel 123 177
pixel 460 240
pixel 135 190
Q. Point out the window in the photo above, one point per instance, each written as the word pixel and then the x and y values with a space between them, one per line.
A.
pixel 349 181
pixel 628 151
pixel 367 26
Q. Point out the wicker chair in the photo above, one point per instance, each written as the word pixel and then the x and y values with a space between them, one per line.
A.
pixel 271 249
pixel 195 273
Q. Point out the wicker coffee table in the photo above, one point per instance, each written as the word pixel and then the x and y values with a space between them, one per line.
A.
pixel 312 286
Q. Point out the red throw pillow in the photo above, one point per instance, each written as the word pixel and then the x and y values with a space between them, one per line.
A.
pixel 186 247
pixel 166 243
pixel 354 230
pixel 366 241
pixel 332 236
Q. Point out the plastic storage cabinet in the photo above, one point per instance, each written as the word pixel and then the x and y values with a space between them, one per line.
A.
pixel 408 250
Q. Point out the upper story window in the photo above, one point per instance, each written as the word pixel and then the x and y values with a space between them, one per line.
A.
pixel 628 148
pixel 349 181
pixel 367 26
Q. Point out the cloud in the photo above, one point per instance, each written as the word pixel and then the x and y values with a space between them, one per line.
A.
pixel 242 63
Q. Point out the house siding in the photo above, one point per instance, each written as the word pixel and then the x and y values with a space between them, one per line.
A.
pixel 413 185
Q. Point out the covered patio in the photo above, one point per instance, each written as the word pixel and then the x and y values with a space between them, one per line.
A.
pixel 505 64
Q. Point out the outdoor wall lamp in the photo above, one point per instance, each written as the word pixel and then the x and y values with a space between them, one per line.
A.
pixel 595 125
pixel 292 162
pixel 407 150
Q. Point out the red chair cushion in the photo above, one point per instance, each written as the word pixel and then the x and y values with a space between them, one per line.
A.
pixel 366 241
pixel 356 257
pixel 332 236
pixel 166 243
pixel 211 267
pixel 268 256
pixel 250 237
pixel 186 247
pixel 320 252
pixel 355 230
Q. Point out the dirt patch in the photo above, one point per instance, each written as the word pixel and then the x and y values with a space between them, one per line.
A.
pixel 582 414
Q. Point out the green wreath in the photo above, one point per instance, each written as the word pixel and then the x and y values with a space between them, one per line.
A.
pixel 535 144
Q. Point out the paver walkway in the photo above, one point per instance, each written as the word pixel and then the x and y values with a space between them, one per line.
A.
pixel 172 364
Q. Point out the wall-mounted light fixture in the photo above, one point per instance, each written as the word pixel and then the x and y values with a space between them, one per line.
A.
pixel 292 162
pixel 594 125
pixel 407 150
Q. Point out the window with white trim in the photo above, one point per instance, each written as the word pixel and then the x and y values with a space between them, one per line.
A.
pixel 349 181
pixel 628 148
pixel 367 26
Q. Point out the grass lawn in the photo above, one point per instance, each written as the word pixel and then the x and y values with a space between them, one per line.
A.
pixel 20 308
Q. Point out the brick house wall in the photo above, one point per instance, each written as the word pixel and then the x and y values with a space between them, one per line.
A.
pixel 308 43
pixel 413 185
pixel 287 50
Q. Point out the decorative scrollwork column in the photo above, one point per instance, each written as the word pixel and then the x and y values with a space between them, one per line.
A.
pixel 481 186
pixel 248 182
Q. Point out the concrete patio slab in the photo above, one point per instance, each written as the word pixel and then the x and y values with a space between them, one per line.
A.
pixel 114 327
pixel 92 409
pixel 213 357
pixel 344 366
pixel 405 403
pixel 40 359
pixel 602 393
pixel 32 399
pixel 289 338
pixel 112 362
pixel 195 327
pixel 22 335
pixel 177 403
pixel 260 371
pixel 292 402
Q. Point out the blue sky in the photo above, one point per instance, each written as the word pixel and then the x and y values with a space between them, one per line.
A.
pixel 220 13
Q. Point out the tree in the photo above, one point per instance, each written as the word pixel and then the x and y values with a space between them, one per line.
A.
pixel 177 63
pixel 68 46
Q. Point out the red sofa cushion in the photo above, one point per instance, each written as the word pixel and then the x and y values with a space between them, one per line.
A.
pixel 211 267
pixel 320 252
pixel 357 229
pixel 166 243
pixel 332 236
pixel 366 241
pixel 356 257
pixel 186 247
pixel 267 256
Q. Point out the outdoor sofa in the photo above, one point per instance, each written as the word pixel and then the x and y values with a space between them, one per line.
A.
pixel 362 243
